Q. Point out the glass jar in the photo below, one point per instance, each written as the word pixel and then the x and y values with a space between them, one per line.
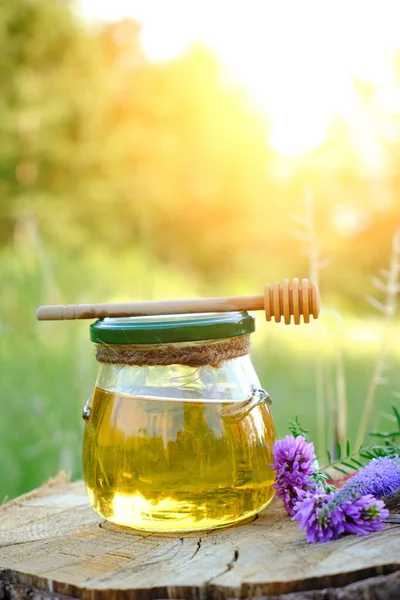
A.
pixel 178 432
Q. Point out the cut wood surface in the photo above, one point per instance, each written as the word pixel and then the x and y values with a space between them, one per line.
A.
pixel 53 544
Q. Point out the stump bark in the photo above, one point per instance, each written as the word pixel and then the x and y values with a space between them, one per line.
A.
pixel 53 545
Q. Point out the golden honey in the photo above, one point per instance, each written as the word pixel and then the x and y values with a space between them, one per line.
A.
pixel 166 464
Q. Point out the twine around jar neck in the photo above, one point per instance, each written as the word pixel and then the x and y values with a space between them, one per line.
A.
pixel 193 354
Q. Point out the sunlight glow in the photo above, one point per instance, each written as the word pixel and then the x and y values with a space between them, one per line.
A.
pixel 348 219
pixel 297 59
pixel 142 513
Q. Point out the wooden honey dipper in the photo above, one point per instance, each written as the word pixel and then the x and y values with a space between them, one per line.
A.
pixel 278 301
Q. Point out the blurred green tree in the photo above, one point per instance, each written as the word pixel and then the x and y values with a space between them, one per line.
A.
pixel 102 148
pixel 53 105
pixel 106 151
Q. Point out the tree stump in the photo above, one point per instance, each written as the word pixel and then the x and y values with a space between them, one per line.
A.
pixel 53 545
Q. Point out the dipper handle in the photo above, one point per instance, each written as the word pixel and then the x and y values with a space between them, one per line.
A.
pixel 278 301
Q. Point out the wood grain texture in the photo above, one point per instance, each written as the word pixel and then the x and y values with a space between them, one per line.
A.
pixel 52 544
pixel 289 300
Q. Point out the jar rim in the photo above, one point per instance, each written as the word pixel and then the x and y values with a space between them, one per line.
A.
pixel 160 329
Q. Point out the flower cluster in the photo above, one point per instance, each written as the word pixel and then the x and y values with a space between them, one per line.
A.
pixel 381 478
pixel 363 515
pixel 307 512
pixel 294 464
pixel 323 523
pixel 324 516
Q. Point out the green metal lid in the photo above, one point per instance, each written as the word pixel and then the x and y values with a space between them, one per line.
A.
pixel 160 329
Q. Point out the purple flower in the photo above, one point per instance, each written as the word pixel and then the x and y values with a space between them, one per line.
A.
pixel 360 516
pixel 380 478
pixel 364 515
pixel 293 463
pixel 318 529
pixel 295 451
pixel 353 509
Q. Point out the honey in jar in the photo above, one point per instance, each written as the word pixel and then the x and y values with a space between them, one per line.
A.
pixel 179 432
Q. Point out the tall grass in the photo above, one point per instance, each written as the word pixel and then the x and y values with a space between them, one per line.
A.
pixel 330 381
pixel 330 376
pixel 390 287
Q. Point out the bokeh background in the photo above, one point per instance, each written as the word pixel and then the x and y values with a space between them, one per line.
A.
pixel 163 149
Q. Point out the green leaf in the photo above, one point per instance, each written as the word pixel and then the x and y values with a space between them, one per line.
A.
pixel 340 469
pixel 339 451
pixel 385 434
pixel 348 448
pixel 346 464
pixel 367 455
pixel 357 462
pixel 297 429
pixel 396 414
pixel 329 456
